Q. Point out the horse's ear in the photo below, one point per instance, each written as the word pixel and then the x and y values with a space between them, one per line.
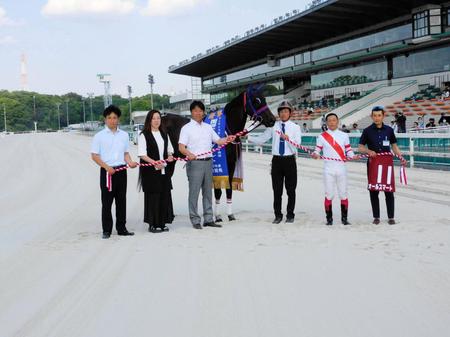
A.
pixel 260 87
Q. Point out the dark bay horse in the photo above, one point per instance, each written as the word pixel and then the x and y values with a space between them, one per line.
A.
pixel 248 104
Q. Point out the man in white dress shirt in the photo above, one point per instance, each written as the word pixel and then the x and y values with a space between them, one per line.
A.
pixel 197 137
pixel 110 151
pixel 284 164
pixel 335 144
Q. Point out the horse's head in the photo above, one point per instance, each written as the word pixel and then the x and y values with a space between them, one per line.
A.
pixel 256 106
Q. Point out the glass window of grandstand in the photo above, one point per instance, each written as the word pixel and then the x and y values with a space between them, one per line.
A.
pixel 369 41
pixel 350 76
pixel 421 24
pixel 303 58
pixel 425 62
pixel 273 88
pixel 299 59
pixel 307 57
pixel 207 83
pixel 435 21
pixel 255 72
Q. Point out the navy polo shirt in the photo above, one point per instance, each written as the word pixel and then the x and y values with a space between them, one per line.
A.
pixel 378 139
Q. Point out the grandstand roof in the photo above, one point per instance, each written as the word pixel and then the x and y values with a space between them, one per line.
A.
pixel 330 19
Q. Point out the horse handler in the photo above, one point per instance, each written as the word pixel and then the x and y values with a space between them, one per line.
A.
pixel 284 165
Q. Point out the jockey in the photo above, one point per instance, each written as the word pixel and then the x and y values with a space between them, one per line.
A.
pixel 335 144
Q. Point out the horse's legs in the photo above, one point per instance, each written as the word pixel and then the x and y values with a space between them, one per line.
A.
pixel 217 193
pixel 229 191
pixel 217 196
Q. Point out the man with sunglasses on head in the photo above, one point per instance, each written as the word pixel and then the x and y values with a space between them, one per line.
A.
pixel 375 139
pixel 284 165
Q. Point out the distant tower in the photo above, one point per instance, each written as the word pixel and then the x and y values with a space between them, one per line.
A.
pixel 106 80
pixel 23 73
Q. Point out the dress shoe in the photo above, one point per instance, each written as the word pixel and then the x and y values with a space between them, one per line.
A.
pixel 197 226
pixel 126 233
pixel 290 220
pixel 391 222
pixel 376 221
pixel 153 229
pixel 277 220
pixel 106 235
pixel 211 224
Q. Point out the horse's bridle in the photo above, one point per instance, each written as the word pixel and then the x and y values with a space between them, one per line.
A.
pixel 256 113
pixel 255 117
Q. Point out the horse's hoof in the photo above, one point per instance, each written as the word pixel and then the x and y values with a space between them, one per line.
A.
pixel 231 217
pixel 218 218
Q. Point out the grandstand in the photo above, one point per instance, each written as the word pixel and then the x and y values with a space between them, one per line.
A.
pixel 343 56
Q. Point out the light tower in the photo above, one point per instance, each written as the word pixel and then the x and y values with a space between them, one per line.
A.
pixel 23 73
pixel 130 91
pixel 91 95
pixel 151 81
pixel 106 80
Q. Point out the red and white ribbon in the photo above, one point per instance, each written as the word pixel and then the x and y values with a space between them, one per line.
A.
pixel 109 182
pixel 165 161
pixel 403 178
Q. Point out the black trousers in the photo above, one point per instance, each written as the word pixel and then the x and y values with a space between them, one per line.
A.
pixel 376 204
pixel 119 195
pixel 284 172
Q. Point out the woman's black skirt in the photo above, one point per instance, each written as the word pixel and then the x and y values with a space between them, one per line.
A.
pixel 158 209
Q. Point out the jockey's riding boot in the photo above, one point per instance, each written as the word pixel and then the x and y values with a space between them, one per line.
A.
pixel 329 213
pixel 344 213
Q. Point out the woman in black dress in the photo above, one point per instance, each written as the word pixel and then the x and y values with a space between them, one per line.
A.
pixel 155 145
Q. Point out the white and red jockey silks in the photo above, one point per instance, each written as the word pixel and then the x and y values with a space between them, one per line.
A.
pixel 380 174
pixel 334 145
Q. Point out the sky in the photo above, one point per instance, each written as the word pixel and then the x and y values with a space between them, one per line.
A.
pixel 68 42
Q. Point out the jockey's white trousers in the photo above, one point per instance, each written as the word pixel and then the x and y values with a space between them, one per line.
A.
pixel 335 178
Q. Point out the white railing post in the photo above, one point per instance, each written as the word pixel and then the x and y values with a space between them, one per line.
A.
pixel 411 151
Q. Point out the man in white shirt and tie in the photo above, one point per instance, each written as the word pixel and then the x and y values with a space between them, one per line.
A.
pixel 284 165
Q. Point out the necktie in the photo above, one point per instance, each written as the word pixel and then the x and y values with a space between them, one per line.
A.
pixel 281 148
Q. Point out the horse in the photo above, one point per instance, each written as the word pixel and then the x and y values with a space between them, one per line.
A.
pixel 248 104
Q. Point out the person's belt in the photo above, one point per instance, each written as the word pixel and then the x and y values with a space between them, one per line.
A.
pixel 285 157
pixel 117 167
pixel 204 159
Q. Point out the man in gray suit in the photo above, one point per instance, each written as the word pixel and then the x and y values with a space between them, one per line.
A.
pixel 197 137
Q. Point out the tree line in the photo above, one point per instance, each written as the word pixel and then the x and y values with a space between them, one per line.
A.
pixel 23 108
